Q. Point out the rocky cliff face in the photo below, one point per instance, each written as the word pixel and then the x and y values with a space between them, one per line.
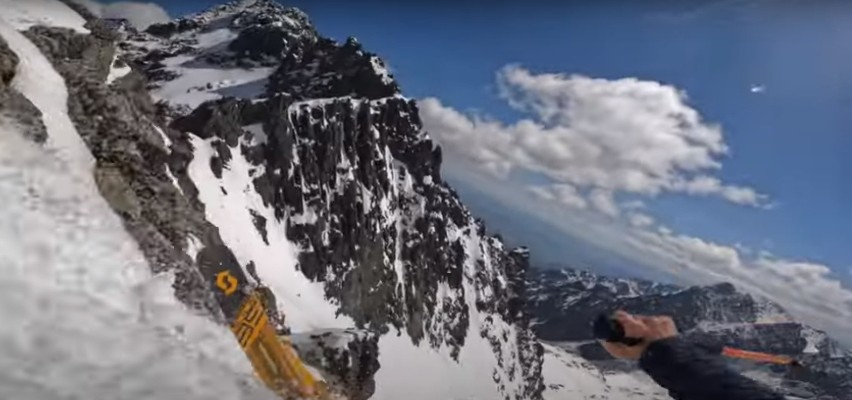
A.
pixel 241 135
pixel 564 302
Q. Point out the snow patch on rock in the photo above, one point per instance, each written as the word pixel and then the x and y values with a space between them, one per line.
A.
pixel 117 72
pixel 229 203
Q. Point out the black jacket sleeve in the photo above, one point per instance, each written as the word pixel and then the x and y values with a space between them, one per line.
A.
pixel 692 373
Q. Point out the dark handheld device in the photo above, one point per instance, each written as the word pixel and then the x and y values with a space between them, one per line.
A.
pixel 610 329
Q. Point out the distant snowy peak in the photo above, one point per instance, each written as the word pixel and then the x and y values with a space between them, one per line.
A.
pixel 570 286
pixel 239 14
pixel 564 302
pixel 252 50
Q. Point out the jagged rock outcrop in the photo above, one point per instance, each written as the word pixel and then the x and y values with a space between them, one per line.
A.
pixel 335 162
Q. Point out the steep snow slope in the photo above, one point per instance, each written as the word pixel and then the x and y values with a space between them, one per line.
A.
pixel 231 202
pixel 568 376
pixel 38 81
pixel 422 372
pixel 22 14
pixel 83 317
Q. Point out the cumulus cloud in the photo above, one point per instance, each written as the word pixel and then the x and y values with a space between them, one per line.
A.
pixel 808 290
pixel 604 203
pixel 640 220
pixel 602 137
pixel 561 193
pixel 600 141
pixel 707 185
pixel 139 14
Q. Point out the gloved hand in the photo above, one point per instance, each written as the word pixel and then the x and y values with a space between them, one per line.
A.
pixel 647 328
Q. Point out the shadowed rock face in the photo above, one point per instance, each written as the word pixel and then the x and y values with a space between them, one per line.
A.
pixel 14 107
pixel 350 355
pixel 564 302
pixel 328 69
pixel 334 150
pixel 8 62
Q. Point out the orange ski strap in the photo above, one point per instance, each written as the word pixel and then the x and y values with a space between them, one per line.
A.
pixel 756 356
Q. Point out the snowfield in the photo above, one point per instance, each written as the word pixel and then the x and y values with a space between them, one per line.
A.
pixel 83 317
pixel 198 81
pixel 568 376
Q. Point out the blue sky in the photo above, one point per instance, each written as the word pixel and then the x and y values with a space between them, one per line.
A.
pixel 788 141
pixel 774 75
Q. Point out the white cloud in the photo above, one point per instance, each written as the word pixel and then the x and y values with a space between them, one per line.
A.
pixel 561 193
pixel 743 249
pixel 640 220
pixel 708 185
pixel 93 6
pixel 139 14
pixel 604 203
pixel 598 140
pixel 602 137
pixel 757 88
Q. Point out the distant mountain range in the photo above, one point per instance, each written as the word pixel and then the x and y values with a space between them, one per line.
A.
pixel 563 302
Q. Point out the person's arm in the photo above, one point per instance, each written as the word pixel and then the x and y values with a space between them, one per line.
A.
pixel 689 372
pixel 692 373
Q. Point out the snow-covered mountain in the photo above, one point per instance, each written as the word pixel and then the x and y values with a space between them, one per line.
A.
pixel 139 161
pixel 133 163
pixel 719 315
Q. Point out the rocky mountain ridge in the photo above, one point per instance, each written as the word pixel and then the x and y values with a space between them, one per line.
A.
pixel 241 135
